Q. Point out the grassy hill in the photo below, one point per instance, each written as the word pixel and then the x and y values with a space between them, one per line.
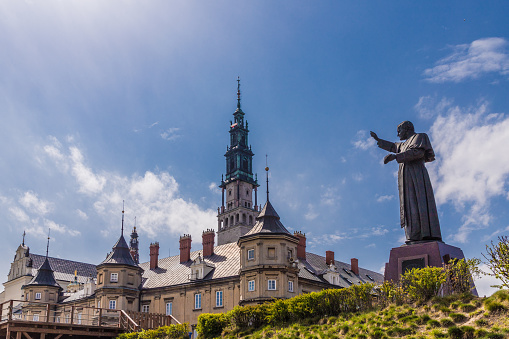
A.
pixel 458 316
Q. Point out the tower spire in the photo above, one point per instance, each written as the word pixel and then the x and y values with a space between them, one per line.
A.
pixel 267 171
pixel 238 92
pixel 47 246
pixel 122 218
pixel 23 243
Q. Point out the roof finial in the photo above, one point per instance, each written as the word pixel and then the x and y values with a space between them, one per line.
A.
pixel 122 217
pixel 47 246
pixel 238 92
pixel 267 171
pixel 23 243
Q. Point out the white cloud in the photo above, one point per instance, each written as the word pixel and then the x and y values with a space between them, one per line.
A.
pixel 89 182
pixel 214 188
pixel 428 107
pixel 171 134
pixel 363 140
pixel 153 198
pixel 311 214
pixel 329 197
pixel 470 170
pixel 19 214
pixel 471 61
pixel 383 198
pixel 82 214
pixel 31 202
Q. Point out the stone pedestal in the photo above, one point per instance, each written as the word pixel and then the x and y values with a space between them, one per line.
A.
pixel 429 253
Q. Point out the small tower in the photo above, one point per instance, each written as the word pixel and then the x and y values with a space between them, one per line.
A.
pixel 43 287
pixel 119 278
pixel 268 267
pixel 237 214
pixel 133 245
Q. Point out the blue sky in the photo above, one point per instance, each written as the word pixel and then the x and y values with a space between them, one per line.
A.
pixel 129 100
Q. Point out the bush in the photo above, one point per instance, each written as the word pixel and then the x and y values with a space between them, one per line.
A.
pixel 177 331
pixel 459 275
pixel 481 322
pixel 422 284
pixel 468 332
pixel 458 317
pixel 433 323
pixel 446 322
pixel 455 332
pixel 212 325
pixel 468 307
pixel 494 306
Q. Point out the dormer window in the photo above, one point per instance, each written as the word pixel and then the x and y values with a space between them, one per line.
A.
pixel 370 277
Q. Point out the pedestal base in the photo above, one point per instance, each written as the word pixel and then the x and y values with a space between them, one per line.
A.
pixel 430 253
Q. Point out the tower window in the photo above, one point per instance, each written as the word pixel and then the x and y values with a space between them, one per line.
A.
pixel 230 192
pixel 169 308
pixel 247 192
pixel 113 304
pixel 250 254
pixel 145 308
pixel 251 285
pixel 114 277
pixel 38 296
pixel 290 286
pixel 271 285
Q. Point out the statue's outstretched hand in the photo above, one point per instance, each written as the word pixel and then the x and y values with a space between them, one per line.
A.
pixel 374 136
pixel 389 157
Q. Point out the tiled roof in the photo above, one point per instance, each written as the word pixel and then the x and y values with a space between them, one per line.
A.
pixel 44 276
pixel 64 269
pixel 226 259
pixel 267 222
pixel 120 254
pixel 170 271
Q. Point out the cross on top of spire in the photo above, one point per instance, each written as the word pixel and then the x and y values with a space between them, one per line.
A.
pixel 238 92
pixel 47 246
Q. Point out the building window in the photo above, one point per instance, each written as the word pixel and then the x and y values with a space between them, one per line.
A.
pixel 169 308
pixel 38 296
pixel 370 277
pixel 271 285
pixel 113 304
pixel 250 254
pixel 79 318
pixel 290 286
pixel 219 298
pixel 57 319
pixel 271 252
pixel 251 285
pixel 67 318
pixel 197 301
pixel 35 318
pixel 114 277
pixel 145 308
pixel 99 304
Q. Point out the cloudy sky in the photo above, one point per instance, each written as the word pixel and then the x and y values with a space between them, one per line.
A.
pixel 104 101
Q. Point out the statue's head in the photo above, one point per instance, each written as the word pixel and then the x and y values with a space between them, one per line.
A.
pixel 405 130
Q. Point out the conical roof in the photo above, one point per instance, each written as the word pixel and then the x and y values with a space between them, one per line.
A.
pixel 44 276
pixel 120 254
pixel 268 222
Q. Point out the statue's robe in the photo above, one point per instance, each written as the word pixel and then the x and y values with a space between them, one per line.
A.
pixel 418 210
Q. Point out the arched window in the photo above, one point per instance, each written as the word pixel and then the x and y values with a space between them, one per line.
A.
pixel 250 220
pixel 244 218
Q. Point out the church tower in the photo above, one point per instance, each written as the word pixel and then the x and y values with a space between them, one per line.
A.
pixel 238 211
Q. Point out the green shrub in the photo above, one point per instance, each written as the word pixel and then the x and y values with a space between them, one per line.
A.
pixel 212 325
pixel 480 333
pixel 445 310
pixel 446 322
pixel 492 335
pixel 481 322
pixel 177 331
pixel 494 306
pixel 423 319
pixel 458 317
pixel 432 323
pixel 455 332
pixel 468 332
pixel 468 307
pixel 438 334
pixel 377 333
pixel 422 284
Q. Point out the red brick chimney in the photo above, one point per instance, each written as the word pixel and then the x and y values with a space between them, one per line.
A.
pixel 207 238
pixel 154 255
pixel 354 264
pixel 185 248
pixel 301 247
pixel 329 257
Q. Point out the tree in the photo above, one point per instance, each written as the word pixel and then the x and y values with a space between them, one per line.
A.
pixel 497 256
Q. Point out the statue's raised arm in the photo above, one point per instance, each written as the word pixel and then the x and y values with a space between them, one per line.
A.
pixel 418 210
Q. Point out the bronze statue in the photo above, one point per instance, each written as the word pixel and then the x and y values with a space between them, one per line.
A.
pixel 418 211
